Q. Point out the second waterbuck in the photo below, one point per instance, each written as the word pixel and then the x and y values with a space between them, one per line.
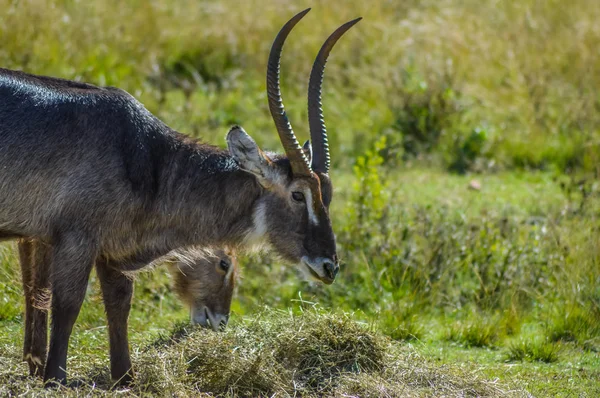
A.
pixel 94 175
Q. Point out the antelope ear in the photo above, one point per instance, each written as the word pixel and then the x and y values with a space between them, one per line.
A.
pixel 249 156
pixel 307 149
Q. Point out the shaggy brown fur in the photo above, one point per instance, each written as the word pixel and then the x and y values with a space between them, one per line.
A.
pixel 205 282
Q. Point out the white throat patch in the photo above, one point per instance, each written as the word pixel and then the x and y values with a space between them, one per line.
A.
pixel 255 238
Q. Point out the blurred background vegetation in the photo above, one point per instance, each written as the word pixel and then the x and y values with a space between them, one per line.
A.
pixel 466 85
pixel 465 141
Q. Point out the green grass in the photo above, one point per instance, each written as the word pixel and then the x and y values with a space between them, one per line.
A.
pixel 465 138
pixel 574 374
pixel 533 350
pixel 478 333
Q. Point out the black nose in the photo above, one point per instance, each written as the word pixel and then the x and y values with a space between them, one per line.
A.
pixel 331 269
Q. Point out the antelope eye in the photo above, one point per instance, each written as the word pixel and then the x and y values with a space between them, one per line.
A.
pixel 298 196
pixel 224 265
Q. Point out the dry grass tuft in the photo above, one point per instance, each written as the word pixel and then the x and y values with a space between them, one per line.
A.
pixel 276 353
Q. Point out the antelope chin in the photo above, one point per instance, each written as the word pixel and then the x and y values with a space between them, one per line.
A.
pixel 314 270
pixel 205 318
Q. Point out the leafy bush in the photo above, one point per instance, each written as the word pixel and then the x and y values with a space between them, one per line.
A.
pixel 468 150
pixel 370 196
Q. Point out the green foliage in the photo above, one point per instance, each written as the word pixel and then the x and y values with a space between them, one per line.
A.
pixel 403 330
pixel 573 325
pixel 370 195
pixel 468 150
pixel 11 296
pixel 442 259
pixel 581 190
pixel 423 111
pixel 511 69
pixel 533 350
pixel 481 332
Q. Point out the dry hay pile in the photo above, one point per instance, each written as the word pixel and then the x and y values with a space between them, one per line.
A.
pixel 274 354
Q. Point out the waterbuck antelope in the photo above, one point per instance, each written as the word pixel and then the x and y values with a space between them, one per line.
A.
pixel 90 172
pixel 203 279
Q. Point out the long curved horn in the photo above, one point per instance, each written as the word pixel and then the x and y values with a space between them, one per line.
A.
pixel 290 144
pixel 318 133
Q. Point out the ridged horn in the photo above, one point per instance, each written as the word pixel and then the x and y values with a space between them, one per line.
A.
pixel 316 121
pixel 292 148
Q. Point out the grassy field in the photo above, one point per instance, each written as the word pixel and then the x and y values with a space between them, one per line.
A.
pixel 466 161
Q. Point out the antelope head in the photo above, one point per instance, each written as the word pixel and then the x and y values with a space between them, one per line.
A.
pixel 205 281
pixel 293 214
